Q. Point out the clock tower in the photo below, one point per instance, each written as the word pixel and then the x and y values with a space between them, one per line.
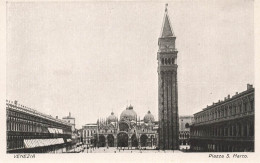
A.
pixel 167 87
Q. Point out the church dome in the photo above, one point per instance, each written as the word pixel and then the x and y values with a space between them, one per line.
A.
pixel 148 117
pixel 111 118
pixel 128 114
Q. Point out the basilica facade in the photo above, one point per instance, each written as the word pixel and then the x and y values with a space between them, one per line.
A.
pixel 127 131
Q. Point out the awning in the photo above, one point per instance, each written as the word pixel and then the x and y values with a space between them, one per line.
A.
pixel 69 140
pixel 60 141
pixel 52 141
pixel 32 143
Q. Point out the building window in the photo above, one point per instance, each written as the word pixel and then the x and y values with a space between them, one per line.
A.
pixel 245 130
pixel 169 61
pixel 162 61
pixel 239 130
pixel 187 125
pixel 230 131
pixel 251 130
pixel 245 107
pixel 235 131
pixel 252 105
pixel 240 109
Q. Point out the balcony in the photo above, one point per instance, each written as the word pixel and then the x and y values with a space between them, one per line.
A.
pixel 226 118
pixel 167 50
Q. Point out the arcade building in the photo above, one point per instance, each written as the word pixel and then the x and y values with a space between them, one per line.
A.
pixel 226 126
pixel 30 131
pixel 128 131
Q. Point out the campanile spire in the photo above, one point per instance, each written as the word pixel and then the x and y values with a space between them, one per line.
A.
pixel 166 30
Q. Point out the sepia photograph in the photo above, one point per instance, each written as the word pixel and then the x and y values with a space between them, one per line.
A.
pixel 173 77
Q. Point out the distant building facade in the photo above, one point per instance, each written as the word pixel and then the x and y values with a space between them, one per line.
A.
pixel 31 131
pixel 226 126
pixel 71 120
pixel 128 131
pixel 88 133
pixel 184 137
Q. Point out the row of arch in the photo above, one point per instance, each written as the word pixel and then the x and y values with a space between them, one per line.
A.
pixel 244 128
pixel 184 136
pixel 123 126
pixel 167 61
pixel 184 142
pixel 221 146
pixel 123 140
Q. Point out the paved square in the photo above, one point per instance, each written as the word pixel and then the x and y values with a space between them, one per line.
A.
pixel 115 150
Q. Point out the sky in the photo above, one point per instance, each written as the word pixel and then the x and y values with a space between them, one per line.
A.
pixel 92 58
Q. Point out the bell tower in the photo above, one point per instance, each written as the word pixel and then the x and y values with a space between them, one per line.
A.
pixel 167 87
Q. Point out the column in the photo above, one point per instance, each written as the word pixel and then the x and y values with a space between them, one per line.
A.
pixel 106 141
pixel 157 141
pixel 166 112
pixel 248 127
pixel 232 132
pixel 237 128
pixel 129 141
pixel 149 142
pixel 139 142
pixel 115 141
pixel 242 130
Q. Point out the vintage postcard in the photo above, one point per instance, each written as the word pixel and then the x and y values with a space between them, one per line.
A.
pixel 148 81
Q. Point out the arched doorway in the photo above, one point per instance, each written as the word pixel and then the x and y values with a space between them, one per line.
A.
pixel 152 141
pixel 251 129
pixel 122 139
pixel 134 141
pixel 110 140
pixel 102 141
pixel 143 139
